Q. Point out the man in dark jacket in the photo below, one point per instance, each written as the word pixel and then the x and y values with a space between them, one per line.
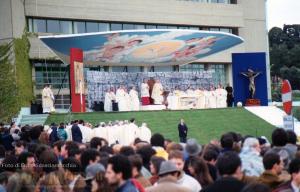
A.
pixel 76 132
pixel 229 167
pixel 182 130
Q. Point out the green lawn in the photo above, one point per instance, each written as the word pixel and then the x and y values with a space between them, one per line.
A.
pixel 203 125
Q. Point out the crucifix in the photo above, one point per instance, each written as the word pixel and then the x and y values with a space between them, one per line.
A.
pixel 251 76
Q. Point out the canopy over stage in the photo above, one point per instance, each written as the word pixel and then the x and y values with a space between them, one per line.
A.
pixel 142 47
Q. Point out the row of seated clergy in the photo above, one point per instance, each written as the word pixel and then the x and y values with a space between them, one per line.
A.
pixel 121 132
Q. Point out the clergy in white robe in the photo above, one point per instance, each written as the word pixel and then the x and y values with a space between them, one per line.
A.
pixel 200 99
pixel 145 133
pixel 122 99
pixel 100 131
pixel 145 94
pixel 221 95
pixel 48 100
pixel 212 99
pixel 134 100
pixel 109 97
pixel 157 92
pixel 87 133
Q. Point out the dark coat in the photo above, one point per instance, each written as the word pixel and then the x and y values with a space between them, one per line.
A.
pixel 182 130
pixel 226 184
pixel 76 133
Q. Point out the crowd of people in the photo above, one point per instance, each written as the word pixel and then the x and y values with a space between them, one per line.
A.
pixel 54 159
pixel 154 93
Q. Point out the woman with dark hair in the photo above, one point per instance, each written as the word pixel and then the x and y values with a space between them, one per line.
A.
pixel 100 184
pixel 199 170
pixel 155 163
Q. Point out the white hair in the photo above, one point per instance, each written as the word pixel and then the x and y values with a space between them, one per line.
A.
pixel 250 142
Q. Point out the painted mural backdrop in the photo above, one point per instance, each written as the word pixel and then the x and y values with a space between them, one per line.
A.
pixel 143 47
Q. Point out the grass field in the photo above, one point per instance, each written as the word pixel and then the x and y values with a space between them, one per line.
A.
pixel 203 125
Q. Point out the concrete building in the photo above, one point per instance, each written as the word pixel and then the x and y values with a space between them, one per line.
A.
pixel 246 18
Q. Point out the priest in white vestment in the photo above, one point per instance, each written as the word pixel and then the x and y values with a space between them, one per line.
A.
pixel 101 131
pixel 145 94
pixel 122 99
pixel 221 95
pixel 157 92
pixel 212 99
pixel 145 133
pixel 200 98
pixel 48 99
pixel 109 97
pixel 87 133
pixel 134 100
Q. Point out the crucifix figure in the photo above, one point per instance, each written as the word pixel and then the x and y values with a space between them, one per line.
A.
pixel 251 76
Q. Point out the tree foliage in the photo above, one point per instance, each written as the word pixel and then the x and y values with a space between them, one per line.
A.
pixel 285 53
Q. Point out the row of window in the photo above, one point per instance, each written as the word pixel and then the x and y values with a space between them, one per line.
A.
pixel 213 1
pixel 38 25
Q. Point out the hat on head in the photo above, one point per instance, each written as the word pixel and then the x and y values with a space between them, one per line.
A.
pixel 92 170
pixel 167 167
pixel 192 148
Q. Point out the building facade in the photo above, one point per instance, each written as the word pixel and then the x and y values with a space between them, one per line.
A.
pixel 244 18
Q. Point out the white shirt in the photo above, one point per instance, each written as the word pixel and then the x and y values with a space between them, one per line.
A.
pixel 189 182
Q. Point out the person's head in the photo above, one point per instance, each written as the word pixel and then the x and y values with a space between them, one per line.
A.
pixel 227 141
pixel 272 162
pixel 68 147
pixel 118 170
pixel 100 183
pixel 26 160
pixel 136 164
pixel 145 80
pixel 199 170
pixel 174 146
pixel 182 121
pixel 132 120
pixel 9 163
pixel 169 169
pixel 155 163
pixel 62 125
pixel 229 164
pixel 252 144
pixel 157 140
pixel 57 147
pixel 256 187
pixel 20 147
pixel 146 152
pixel 291 137
pixel 177 158
pixel 81 122
pixel 35 132
pixel 89 157
pixel 210 156
pixel 97 143
pixel 127 151
pixel 71 167
pixel 294 170
pixel 49 161
pixel 279 137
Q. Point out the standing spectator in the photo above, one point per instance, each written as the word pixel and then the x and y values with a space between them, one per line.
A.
pixel 184 180
pixel 273 165
pixel 53 137
pixel 155 163
pixel 229 167
pixel 182 130
pixel 199 170
pixel 100 183
pixel 76 132
pixel 291 145
pixel 158 143
pixel 61 132
pixel 168 176
pixel 294 183
pixel 230 98
pixel 136 164
pixel 192 149
pixel 252 163
pixel 118 173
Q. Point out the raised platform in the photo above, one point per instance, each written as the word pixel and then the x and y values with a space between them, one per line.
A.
pixel 152 107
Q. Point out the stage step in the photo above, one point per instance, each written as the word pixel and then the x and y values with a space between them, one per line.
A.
pixel 37 119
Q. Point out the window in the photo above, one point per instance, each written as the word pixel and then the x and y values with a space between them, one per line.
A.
pixel 30 27
pixel 91 27
pixel 79 27
pixel 134 69
pixel 103 26
pixel 192 67
pixel 172 27
pixel 139 26
pixel 53 26
pixel 66 27
pixel 39 25
pixel 128 26
pixel 116 27
pixel 162 27
pixel 150 26
pixel 118 69
pixel 163 69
